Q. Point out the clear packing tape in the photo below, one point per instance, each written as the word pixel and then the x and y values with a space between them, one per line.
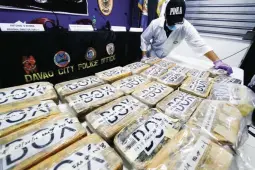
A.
pixel 27 147
pixel 73 86
pixel 89 153
pixel 189 150
pixel 239 95
pixel 220 121
pixel 143 139
pixel 109 119
pixel 22 96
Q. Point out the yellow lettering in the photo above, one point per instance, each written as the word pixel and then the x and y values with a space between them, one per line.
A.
pixel 81 66
pixel 28 78
pixel 45 75
pixel 51 74
pixel 72 68
pixel 61 71
pixel 35 78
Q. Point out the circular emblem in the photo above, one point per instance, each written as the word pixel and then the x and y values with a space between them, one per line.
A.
pixel 29 64
pixel 105 6
pixel 175 42
pixel 91 54
pixel 110 48
pixel 62 59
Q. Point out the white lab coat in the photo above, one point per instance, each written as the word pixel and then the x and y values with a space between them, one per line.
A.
pixel 161 45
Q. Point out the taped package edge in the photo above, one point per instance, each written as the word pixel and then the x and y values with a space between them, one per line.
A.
pixel 131 90
pixel 50 94
pixel 51 161
pixel 53 111
pixel 138 90
pixel 40 156
pixel 109 136
pixel 86 110
pixel 115 77
pixel 185 89
pixel 62 94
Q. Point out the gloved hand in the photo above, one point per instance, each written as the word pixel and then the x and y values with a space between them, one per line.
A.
pixel 144 58
pixel 220 65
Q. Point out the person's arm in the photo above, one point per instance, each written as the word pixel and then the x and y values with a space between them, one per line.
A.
pixel 146 36
pixel 211 55
pixel 198 45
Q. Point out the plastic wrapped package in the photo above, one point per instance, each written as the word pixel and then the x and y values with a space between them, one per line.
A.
pixel 113 74
pixel 130 84
pixel 15 120
pixel 109 119
pixel 152 93
pixel 218 119
pixel 89 153
pixel 217 72
pixel 172 79
pixel 226 79
pixel 29 146
pixel 136 67
pixel 90 99
pixel 153 72
pixel 198 74
pixel 179 105
pixel 197 87
pixel 190 151
pixel 165 64
pixel 239 95
pixel 146 137
pixel 180 69
pixel 69 87
pixel 18 97
pixel 151 60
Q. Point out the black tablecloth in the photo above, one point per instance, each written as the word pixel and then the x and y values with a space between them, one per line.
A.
pixel 29 56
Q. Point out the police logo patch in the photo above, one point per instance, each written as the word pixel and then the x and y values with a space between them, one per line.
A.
pixel 29 64
pixel 90 54
pixel 110 48
pixel 62 59
pixel 105 6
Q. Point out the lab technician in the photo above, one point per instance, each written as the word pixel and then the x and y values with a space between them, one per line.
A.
pixel 165 33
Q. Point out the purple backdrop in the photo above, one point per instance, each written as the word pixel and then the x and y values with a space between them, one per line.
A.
pixel 117 17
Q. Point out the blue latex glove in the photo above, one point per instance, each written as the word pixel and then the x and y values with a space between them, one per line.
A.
pixel 220 65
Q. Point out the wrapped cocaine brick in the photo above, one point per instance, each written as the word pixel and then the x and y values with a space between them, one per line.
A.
pixel 189 151
pixel 109 119
pixel 226 79
pixel 131 83
pixel 241 96
pixel 151 60
pixel 179 105
pixel 221 120
pixel 165 64
pixel 152 93
pixel 113 74
pixel 15 120
pixel 153 72
pixel 22 96
pixel 30 146
pixel 172 79
pixel 141 141
pixel 89 153
pixel 73 86
pixel 180 69
pixel 198 74
pixel 197 87
pixel 136 67
pixel 90 99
